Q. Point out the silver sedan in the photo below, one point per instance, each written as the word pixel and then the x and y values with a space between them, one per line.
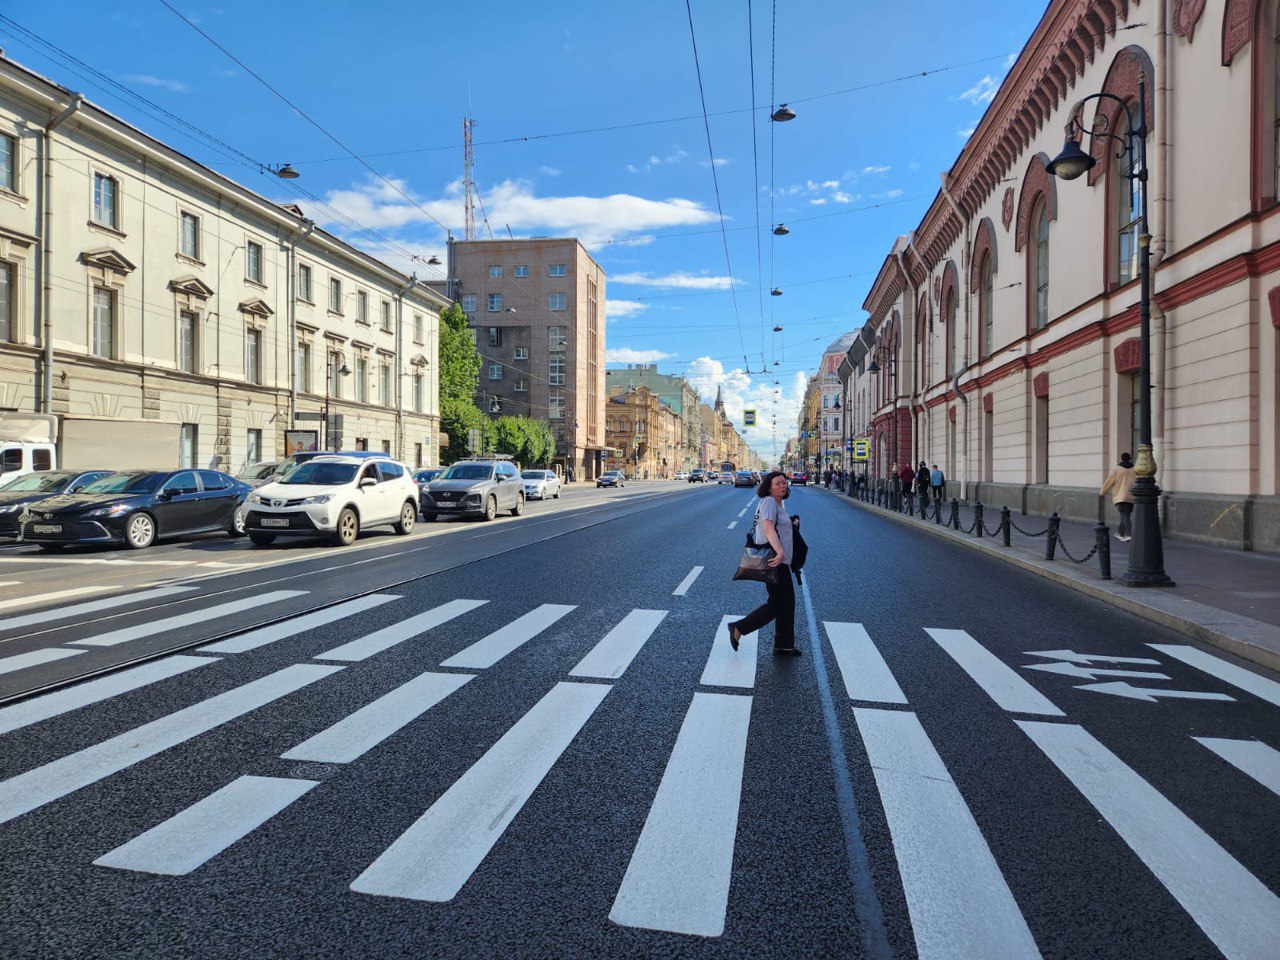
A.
pixel 540 484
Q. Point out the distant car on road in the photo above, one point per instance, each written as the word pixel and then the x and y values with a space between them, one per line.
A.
pixel 540 484
pixel 744 478
pixel 33 487
pixel 422 478
pixel 800 477
pixel 256 474
pixel 614 478
pixel 682 475
pixel 697 475
pixel 477 487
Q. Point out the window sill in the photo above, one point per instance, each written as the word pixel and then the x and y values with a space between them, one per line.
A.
pixel 362 323
pixel 309 303
pixel 14 196
pixel 106 228
pixel 339 314
pixel 183 258
pixel 255 283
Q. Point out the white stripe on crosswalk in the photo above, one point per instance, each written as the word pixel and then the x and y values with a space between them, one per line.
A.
pixel 366 646
pixel 202 831
pixel 1238 677
pixel 488 651
pixel 55 704
pixel 686 583
pixel 35 658
pixel 435 857
pixel 958 900
pixel 866 676
pixel 1252 757
pixel 205 615
pixel 35 788
pixel 678 877
pixel 727 668
pixel 609 658
pixel 355 735
pixel 91 606
pixel 291 628
pixel 1001 683
pixel 1238 913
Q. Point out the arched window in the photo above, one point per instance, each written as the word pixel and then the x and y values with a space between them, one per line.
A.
pixel 1128 215
pixel 949 313
pixel 986 309
pixel 1040 265
pixel 1037 205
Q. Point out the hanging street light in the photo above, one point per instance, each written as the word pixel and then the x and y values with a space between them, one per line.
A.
pixel 775 292
pixel 780 230
pixel 783 114
pixel 433 261
pixel 284 171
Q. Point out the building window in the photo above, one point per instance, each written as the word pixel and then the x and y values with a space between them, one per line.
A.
pixel 986 314
pixel 253 356
pixel 417 455
pixel 1133 414
pixel 556 368
pixel 104 322
pixel 8 162
pixel 555 405
pixel 386 315
pixel 1128 215
pixel 362 380
pixel 522 353
pixel 469 303
pixel 495 271
pixel 6 302
pixel 188 445
pixel 495 303
pixel 189 236
pixel 188 338
pixel 555 301
pixel 304 283
pixel 302 375
pixel 386 448
pixel 555 339
pixel 557 270
pixel 253 447
pixel 253 261
pixel 362 307
pixel 384 384
pixel 520 271
pixel 1040 273
pixel 495 336
pixel 418 328
pixel 335 295
pixel 952 333
pixel 334 385
pixel 417 393
pixel 495 371
pixel 522 385
pixel 495 404
pixel 105 209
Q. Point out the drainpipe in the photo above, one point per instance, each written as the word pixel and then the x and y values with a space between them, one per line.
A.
pixel 290 286
pixel 910 288
pixel 46 334
pixel 399 367
pixel 965 265
pixel 1161 233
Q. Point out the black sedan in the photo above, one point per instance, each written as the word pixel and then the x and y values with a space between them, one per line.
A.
pixel 137 507
pixel 35 487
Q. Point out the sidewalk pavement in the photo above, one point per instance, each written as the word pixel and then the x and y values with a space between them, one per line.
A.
pixel 1228 598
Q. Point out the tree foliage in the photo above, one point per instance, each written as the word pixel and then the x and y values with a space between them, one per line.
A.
pixel 459 361
pixel 531 442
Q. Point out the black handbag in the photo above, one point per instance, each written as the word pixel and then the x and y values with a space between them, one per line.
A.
pixel 754 564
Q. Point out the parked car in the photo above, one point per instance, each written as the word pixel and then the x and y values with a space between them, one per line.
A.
pixel 744 478
pixel 256 474
pixel 334 496
pixel 477 487
pixel 540 484
pixel 297 459
pixel 698 475
pixel 422 478
pixel 682 475
pixel 800 477
pixel 31 488
pixel 137 508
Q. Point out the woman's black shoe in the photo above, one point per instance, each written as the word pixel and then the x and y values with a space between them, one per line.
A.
pixel 787 652
pixel 735 636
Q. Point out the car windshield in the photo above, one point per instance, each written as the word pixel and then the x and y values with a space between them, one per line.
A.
pixel 258 471
pixel 38 483
pixel 322 473
pixel 467 471
pixel 534 475
pixel 424 476
pixel 127 483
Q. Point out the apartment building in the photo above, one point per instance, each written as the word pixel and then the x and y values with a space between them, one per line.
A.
pixel 673 390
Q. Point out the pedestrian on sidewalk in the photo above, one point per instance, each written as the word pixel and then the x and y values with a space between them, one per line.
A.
pixel 780 607
pixel 907 477
pixel 922 485
pixel 570 474
pixel 1119 484
pixel 938 483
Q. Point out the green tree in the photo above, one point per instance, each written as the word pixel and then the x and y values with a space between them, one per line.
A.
pixel 459 361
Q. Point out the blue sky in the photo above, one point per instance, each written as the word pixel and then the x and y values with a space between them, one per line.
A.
pixel 393 80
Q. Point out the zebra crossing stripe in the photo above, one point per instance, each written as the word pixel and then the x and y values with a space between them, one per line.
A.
pixel 90 606
pixel 958 900
pixel 679 874
pixel 609 658
pixel 35 788
pixel 866 676
pixel 1238 677
pixel 687 582
pixel 35 658
pixel 296 625
pixel 365 647
pixel 1001 683
pixel 216 612
pixel 1251 757
pixel 1235 910
pixel 486 652
pixel 435 857
pixel 355 735
pixel 202 831
pixel 727 667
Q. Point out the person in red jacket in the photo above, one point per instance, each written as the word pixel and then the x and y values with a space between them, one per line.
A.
pixel 907 476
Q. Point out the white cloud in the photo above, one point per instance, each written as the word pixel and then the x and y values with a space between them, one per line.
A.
pixel 982 92
pixel 674 281
pixel 821 192
pixel 618 309
pixel 627 355
pixel 676 155
pixel 964 133
pixel 913 165
pixel 549 171
pixel 719 162
pixel 743 392
pixel 147 80
pixel 873 170
pixel 887 195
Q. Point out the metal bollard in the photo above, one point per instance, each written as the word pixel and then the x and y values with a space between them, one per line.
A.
pixel 910 505
pixel 1102 537
pixel 977 518
pixel 937 511
pixel 1052 544
pixel 1005 520
pixel 955 514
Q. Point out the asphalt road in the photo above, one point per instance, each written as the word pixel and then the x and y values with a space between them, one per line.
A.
pixel 541 746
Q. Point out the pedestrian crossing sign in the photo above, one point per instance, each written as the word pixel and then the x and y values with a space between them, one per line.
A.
pixel 748 418
pixel 861 451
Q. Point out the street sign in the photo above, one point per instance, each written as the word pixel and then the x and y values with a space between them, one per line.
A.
pixel 473 440
pixel 861 450
pixel 303 415
pixel 748 418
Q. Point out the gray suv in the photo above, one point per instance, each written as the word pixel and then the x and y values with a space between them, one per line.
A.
pixel 475 488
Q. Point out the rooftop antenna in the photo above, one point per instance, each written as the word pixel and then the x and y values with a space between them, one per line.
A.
pixel 468 178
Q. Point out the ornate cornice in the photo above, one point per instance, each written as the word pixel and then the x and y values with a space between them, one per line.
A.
pixel 192 286
pixel 1237 27
pixel 984 244
pixel 107 259
pixel 1036 183
pixel 1186 14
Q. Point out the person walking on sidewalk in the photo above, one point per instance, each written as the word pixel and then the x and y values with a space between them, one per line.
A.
pixel 938 483
pixel 780 607
pixel 922 485
pixel 907 477
pixel 1119 484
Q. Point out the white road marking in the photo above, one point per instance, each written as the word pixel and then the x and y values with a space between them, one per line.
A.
pixel 355 735
pixel 742 512
pixel 80 609
pixel 1238 677
pixel 679 874
pixel 866 676
pixel 733 524
pixel 958 900
pixel 290 628
pixel 1238 913
pixel 1001 682
pixel 1251 757
pixel 609 658
pixel 366 646
pixel 35 788
pixel 24 661
pixel 204 615
pixel 203 830
pixel 727 668
pixel 95 691
pixel 435 857
pixel 10 583
pixel 1118 688
pixel 486 652
pixel 687 582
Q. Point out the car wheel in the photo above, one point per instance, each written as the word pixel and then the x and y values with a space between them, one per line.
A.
pixel 490 509
pixel 140 532
pixel 519 507
pixel 347 529
pixel 236 529
pixel 262 539
pixel 408 517
pixel 556 495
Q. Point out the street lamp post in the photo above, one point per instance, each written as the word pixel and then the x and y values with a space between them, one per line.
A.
pixel 1146 555
pixel 329 372
pixel 882 352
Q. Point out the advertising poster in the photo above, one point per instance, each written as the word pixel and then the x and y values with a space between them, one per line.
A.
pixel 301 441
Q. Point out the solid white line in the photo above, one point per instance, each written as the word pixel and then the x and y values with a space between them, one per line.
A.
pixel 679 874
pixel 866 675
pixel 1238 677
pixel 435 857
pixel 35 788
pixel 1238 913
pixel 1000 681
pixel 609 658
pixel 488 651
pixel 1251 757
pixel 24 661
pixel 10 583
pixel 205 615
pixel 203 830
pixel 687 582
pixel 357 734
pixel 291 628
pixel 366 646
pixel 958 900
pixel 732 525
pixel 95 691
pixel 79 609
pixel 727 668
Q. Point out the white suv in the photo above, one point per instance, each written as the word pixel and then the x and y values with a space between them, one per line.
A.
pixel 334 496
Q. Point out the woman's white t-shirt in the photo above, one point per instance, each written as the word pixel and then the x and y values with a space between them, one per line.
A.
pixel 771 509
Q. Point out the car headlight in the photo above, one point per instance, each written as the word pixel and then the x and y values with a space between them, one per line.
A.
pixel 473 497
pixel 255 498
pixel 322 498
pixel 11 507
pixel 113 511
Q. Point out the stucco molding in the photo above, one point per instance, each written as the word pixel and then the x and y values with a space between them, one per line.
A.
pixel 1131 66
pixel 984 244
pixel 988 402
pixel 1273 301
pixel 1128 356
pixel 1036 183
pixel 1006 208
pixel 1237 27
pixel 1040 385
pixel 1186 14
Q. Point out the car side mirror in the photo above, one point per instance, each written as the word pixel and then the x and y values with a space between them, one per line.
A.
pixel 368 482
pixel 165 495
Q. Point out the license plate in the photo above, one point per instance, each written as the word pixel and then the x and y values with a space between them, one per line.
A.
pixel 275 521
pixel 46 528
pixel 445 505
